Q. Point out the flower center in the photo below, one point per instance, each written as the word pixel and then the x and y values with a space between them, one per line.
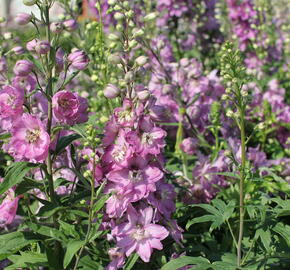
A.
pixel 64 103
pixel 147 138
pixel 11 100
pixel 119 154
pixel 135 176
pixel 125 116
pixel 139 233
pixel 32 135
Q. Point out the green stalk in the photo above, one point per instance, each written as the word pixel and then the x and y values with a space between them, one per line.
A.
pixel 49 113
pixel 242 179
pixel 91 214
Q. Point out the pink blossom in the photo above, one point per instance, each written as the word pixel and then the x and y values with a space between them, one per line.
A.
pixel 29 139
pixel 27 83
pixel 119 201
pixel 8 207
pixel 69 108
pixel 11 106
pixel 139 234
pixel 117 258
pixel 163 198
pixel 126 116
pixel 140 181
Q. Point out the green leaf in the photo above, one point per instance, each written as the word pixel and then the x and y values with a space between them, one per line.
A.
pixel 46 231
pixel 265 236
pixel 205 218
pixel 100 203
pixel 12 242
pixel 131 261
pixel 27 259
pixel 71 249
pixel 224 266
pixel 63 142
pixel 283 230
pixel 15 174
pixel 69 229
pixel 49 209
pixel 26 185
pixel 4 136
pixel 184 261
pixel 86 263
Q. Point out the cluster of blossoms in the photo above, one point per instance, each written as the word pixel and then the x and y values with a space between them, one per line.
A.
pixel 243 17
pixel 133 164
pixel 24 109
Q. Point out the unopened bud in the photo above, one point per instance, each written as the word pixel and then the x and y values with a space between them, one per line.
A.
pixel 141 60
pixel 118 16
pixel 113 37
pixel 114 59
pixel 111 91
pixel 129 76
pixel 143 95
pixel 29 2
pixel 150 17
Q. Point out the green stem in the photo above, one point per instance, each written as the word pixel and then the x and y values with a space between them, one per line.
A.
pixel 242 179
pixel 91 214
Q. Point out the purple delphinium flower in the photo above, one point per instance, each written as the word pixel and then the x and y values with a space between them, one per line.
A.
pixel 30 140
pixel 69 108
pixel 139 234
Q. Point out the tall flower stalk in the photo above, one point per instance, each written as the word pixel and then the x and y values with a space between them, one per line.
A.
pixel 234 76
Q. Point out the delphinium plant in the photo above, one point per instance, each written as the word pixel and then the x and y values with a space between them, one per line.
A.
pixel 145 134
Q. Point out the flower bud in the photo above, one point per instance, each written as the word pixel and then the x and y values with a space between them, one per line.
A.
pixel 114 59
pixel 56 27
pixel 78 59
pixel 129 76
pixel 138 32
pixel 111 91
pixel 3 64
pixel 2 19
pixel 70 25
pixel 141 60
pixel 23 18
pixel 30 46
pixel 189 146
pixel 18 50
pixel 143 95
pixel 42 47
pixel 29 2
pixel 7 35
pixel 150 17
pixel 133 43
pixel 229 113
pixel 118 16
pixel 113 37
pixel 112 2
pixel 23 67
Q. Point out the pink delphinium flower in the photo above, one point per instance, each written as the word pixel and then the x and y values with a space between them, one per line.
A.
pixel 119 200
pixel 69 108
pixel 140 181
pixel 23 67
pixel 78 59
pixel 189 146
pixel 126 116
pixel 117 258
pixel 139 234
pixel 11 106
pixel 27 83
pixel 163 198
pixel 29 139
pixel 8 207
